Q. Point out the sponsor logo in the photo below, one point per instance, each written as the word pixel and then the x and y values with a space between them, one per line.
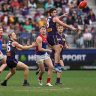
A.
pixel 74 57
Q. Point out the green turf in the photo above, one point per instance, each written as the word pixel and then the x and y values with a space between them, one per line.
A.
pixel 76 83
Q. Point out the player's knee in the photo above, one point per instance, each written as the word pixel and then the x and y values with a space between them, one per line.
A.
pixel 27 68
pixel 50 67
pixel 43 71
pixel 4 61
pixel 13 72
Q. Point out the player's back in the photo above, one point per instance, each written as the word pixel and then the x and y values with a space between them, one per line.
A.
pixel 51 26
pixel 10 51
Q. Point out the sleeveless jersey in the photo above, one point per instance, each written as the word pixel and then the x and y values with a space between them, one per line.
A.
pixel 44 45
pixel 61 39
pixel 0 43
pixel 51 26
pixel 10 51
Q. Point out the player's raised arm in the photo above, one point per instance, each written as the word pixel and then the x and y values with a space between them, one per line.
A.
pixel 39 43
pixel 56 19
pixel 64 15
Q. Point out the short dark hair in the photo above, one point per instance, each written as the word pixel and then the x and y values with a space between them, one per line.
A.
pixel 51 10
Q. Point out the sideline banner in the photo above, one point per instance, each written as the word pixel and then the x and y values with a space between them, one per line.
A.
pixel 73 59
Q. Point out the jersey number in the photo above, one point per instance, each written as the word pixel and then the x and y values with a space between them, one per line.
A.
pixel 8 47
pixel 48 23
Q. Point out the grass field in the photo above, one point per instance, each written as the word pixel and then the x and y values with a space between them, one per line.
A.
pixel 76 83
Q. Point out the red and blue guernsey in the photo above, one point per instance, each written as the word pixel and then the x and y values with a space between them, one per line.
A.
pixel 51 26
pixel 0 43
pixel 10 51
pixel 44 45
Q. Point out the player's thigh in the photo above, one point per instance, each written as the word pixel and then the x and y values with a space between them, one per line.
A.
pixel 61 63
pixel 48 62
pixel 57 48
pixel 41 67
pixel 3 60
pixel 21 65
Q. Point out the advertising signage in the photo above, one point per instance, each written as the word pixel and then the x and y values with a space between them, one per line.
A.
pixel 73 59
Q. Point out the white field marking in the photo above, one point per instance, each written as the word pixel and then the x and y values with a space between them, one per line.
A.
pixel 58 89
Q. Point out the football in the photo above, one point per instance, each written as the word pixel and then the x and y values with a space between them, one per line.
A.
pixel 82 4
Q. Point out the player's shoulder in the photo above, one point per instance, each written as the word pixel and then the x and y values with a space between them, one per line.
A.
pixel 39 38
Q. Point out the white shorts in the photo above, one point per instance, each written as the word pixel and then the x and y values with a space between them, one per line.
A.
pixel 1 55
pixel 40 58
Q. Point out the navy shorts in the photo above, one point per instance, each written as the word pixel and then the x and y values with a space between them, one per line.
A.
pixel 52 39
pixel 11 63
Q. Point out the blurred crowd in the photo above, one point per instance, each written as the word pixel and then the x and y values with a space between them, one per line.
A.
pixel 24 17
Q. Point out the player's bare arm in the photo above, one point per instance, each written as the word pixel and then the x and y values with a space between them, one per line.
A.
pixel 64 15
pixel 39 43
pixel 66 46
pixel 15 44
pixel 4 45
pixel 56 19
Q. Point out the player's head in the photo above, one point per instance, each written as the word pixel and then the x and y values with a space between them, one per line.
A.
pixel 1 30
pixel 12 36
pixel 53 12
pixel 43 30
pixel 60 28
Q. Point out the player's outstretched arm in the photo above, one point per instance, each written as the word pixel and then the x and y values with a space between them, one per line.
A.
pixel 33 44
pixel 64 15
pixel 17 45
pixel 4 45
pixel 39 43
pixel 56 19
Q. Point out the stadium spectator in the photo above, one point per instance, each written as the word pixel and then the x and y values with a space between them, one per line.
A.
pixel 48 5
pixel 86 9
pixel 67 8
pixel 64 2
pixel 15 3
pixel 69 20
pixel 91 16
pixel 17 11
pixel 87 21
pixel 87 38
pixel 58 3
pixel 28 27
pixel 25 10
pixel 5 36
pixel 32 4
pixel 40 4
pixel 79 20
pixel 25 36
pixel 6 6
pixel 5 18
pixel 79 40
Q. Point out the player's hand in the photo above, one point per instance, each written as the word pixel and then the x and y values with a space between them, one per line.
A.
pixel 48 50
pixel 33 44
pixel 65 14
pixel 74 29
pixel 28 42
